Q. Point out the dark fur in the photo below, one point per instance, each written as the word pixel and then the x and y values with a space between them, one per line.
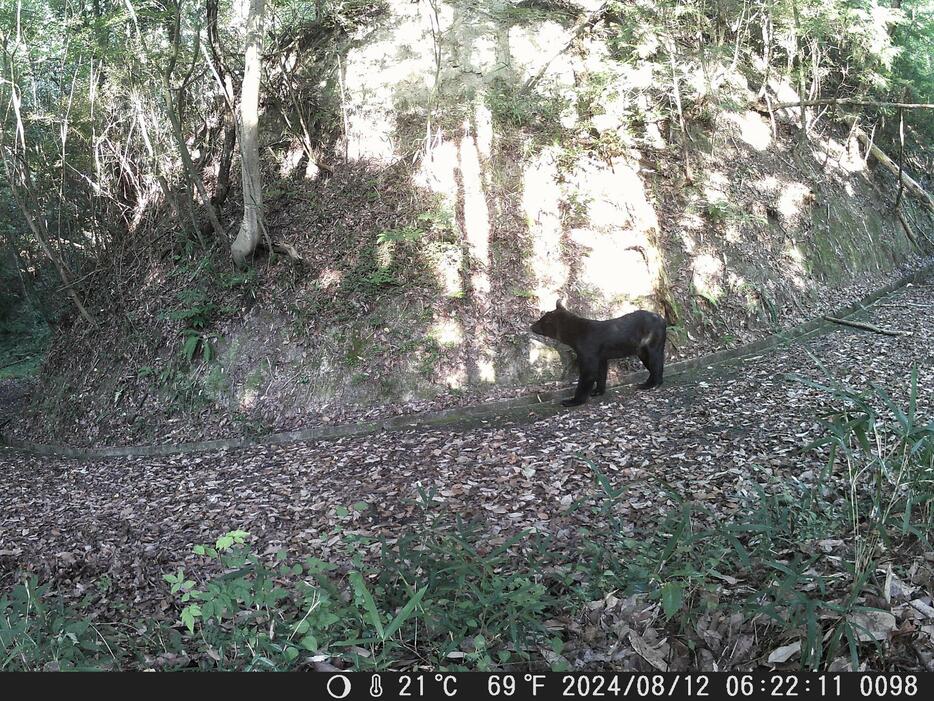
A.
pixel 640 333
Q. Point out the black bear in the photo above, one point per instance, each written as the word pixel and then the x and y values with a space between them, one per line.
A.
pixel 640 333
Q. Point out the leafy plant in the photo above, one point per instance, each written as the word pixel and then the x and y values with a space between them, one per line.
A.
pixel 38 632
pixel 197 315
pixel 381 277
pixel 406 233
pixel 525 109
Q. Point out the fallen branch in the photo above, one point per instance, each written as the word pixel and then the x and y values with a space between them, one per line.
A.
pixel 79 280
pixel 905 304
pixel 866 327
pixel 21 359
pixel 855 103
pixel 909 231
pixel 892 167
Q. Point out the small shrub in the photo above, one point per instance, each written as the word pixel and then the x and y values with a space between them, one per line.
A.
pixel 38 632
pixel 197 314
pixel 406 233
pixel 513 107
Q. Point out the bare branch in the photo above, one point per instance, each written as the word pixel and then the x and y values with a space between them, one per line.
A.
pixel 854 103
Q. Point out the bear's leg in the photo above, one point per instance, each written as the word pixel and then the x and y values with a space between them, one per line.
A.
pixel 655 362
pixel 589 370
pixel 645 355
pixel 601 379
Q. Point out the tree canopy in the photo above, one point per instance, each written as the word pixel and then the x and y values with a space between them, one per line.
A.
pixel 119 115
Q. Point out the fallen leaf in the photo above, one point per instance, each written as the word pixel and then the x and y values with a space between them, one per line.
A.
pixel 784 653
pixel 872 625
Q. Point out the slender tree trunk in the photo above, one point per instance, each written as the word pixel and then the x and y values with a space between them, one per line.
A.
pixel 223 169
pixel 21 186
pixel 225 84
pixel 194 176
pixel 38 228
pixel 798 66
pixel 253 226
pixel 901 157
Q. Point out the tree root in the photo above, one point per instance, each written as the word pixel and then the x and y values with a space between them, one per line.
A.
pixel 281 247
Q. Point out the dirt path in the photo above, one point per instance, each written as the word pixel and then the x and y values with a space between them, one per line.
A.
pixel 714 440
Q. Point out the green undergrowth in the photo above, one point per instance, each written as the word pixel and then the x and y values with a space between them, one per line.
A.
pixel 24 338
pixel 444 596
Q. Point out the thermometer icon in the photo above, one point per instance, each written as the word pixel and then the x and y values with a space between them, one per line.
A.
pixel 376 686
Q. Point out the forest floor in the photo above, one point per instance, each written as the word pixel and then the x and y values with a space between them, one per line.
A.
pixel 720 440
pixel 14 393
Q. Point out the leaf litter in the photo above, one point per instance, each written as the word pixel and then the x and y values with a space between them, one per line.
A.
pixel 627 462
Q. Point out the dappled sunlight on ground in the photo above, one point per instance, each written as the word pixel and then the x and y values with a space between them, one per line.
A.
pixel 739 283
pixel 840 159
pixel 447 332
pixel 620 264
pixel 794 266
pixel 789 197
pixel 690 221
pixel 732 233
pixel 784 92
pixel 248 397
pixel 532 46
pixel 383 72
pixel 290 160
pixel 616 276
pixel 477 236
pixel 455 378
pixel 791 200
pixel 329 277
pixel 482 53
pixel 437 170
pixel 447 263
pixel 752 128
pixel 768 185
pixel 476 215
pixel 707 276
pixel 716 185
pixel 541 200
pixel 483 123
pixel 438 173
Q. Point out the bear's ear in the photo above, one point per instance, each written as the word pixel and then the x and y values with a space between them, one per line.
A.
pixel 558 304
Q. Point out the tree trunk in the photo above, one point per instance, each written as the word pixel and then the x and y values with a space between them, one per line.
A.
pixel 193 176
pixel 223 169
pixel 253 225
pixel 38 228
pixel 225 84
pixel 855 103
pixel 24 191
pixel 798 65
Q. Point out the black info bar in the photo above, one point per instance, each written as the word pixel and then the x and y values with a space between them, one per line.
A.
pixel 528 685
